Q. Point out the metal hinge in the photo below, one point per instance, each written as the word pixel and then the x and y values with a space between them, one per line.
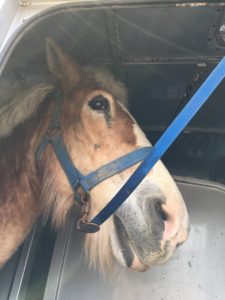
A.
pixel 25 3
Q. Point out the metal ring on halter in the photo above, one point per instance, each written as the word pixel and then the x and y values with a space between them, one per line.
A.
pixel 83 224
pixel 81 196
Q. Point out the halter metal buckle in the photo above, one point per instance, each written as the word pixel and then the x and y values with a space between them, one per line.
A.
pixel 82 223
pixel 81 196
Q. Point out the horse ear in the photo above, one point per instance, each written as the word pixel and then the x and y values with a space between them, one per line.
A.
pixel 62 66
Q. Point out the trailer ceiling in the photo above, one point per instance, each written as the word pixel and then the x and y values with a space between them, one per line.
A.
pixel 163 51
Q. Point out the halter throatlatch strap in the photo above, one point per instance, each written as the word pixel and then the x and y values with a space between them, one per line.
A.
pixel 82 184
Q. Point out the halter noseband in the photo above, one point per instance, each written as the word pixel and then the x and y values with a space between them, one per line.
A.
pixel 82 184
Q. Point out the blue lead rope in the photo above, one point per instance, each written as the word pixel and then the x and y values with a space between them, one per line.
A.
pixel 168 137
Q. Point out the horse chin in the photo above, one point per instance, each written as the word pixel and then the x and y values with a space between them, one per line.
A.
pixel 141 266
pixel 126 254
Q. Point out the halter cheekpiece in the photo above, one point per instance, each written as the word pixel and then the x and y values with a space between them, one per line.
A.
pixel 82 184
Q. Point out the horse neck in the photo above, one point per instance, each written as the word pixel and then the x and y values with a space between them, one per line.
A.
pixel 17 152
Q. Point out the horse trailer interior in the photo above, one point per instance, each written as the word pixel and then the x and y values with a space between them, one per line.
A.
pixel 163 51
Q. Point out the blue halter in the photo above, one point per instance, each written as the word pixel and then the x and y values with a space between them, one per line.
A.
pixel 148 155
pixel 82 184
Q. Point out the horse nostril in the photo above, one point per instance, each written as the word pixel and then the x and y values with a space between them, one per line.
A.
pixel 159 210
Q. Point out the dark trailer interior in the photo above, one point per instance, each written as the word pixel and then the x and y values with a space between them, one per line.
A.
pixel 162 51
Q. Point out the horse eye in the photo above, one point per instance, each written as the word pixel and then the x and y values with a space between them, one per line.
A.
pixel 99 103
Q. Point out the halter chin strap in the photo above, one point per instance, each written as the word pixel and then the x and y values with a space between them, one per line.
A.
pixel 82 184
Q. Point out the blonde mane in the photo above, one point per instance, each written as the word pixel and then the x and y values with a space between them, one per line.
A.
pixel 18 105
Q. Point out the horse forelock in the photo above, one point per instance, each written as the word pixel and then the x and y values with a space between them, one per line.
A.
pixel 20 105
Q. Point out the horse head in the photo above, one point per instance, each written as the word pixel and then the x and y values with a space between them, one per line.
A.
pixel 97 128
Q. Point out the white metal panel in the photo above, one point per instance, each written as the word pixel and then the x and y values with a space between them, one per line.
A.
pixel 196 271
pixel 15 12
pixel 8 10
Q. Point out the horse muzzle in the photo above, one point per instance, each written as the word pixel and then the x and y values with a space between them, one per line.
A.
pixel 148 234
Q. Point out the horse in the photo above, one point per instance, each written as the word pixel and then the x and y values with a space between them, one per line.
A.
pixel 97 128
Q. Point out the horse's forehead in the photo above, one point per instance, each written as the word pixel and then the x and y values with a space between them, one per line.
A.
pixel 102 78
